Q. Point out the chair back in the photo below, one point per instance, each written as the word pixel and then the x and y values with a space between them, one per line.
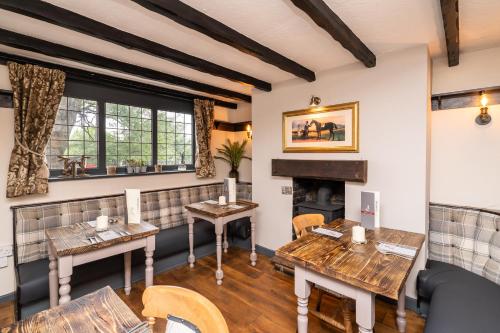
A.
pixel 301 222
pixel 161 301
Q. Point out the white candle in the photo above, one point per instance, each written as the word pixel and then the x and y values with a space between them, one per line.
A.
pixel 101 223
pixel 222 200
pixel 358 234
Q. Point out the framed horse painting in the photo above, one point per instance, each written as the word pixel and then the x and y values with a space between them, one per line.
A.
pixel 331 128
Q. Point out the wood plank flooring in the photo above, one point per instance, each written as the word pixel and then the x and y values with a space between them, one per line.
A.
pixel 252 299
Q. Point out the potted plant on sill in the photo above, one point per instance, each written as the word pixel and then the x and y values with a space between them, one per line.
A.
pixel 131 166
pixel 232 153
pixel 144 166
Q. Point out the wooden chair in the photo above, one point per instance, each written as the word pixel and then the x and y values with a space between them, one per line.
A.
pixel 160 301
pixel 300 225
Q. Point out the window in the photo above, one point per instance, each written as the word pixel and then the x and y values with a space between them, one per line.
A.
pixel 128 134
pixel 175 138
pixel 113 125
pixel 75 133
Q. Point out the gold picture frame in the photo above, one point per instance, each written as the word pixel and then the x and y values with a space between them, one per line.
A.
pixel 338 127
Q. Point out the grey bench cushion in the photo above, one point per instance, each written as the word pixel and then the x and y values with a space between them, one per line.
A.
pixel 465 308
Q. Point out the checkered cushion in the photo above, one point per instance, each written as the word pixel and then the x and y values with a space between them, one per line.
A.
pixel 466 237
pixel 163 208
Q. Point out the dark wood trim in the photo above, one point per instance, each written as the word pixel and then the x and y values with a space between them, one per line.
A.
pixel 231 127
pixel 64 18
pixel 112 81
pixel 464 99
pixel 449 11
pixel 196 20
pixel 324 17
pixel 5 98
pixel 483 210
pixel 60 51
pixel 351 171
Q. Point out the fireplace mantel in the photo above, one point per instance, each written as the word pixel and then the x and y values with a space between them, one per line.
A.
pixel 352 171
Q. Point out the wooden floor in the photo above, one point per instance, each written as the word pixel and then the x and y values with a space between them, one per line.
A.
pixel 252 299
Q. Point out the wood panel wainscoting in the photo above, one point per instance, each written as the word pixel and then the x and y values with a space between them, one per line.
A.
pixel 252 299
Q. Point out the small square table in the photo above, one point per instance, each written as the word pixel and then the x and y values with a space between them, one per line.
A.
pixel 69 246
pixel 357 271
pixel 220 215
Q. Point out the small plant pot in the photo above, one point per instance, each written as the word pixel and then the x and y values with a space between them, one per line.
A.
pixel 137 169
pixel 144 169
pixel 111 170
pixel 130 169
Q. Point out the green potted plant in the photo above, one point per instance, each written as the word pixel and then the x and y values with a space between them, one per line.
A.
pixel 232 153
pixel 131 165
pixel 144 166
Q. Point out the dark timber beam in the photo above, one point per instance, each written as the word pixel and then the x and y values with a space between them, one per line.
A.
pixel 64 18
pixel 323 16
pixel 449 10
pixel 196 20
pixel 59 51
pixel 110 81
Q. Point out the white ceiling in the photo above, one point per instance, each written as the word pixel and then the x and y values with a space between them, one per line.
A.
pixel 383 25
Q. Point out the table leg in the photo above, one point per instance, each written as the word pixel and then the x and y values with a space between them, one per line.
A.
pixel 302 291
pixel 225 244
pixel 128 271
pixel 65 269
pixel 401 312
pixel 53 280
pixel 191 257
pixel 365 311
pixel 149 249
pixel 219 274
pixel 253 255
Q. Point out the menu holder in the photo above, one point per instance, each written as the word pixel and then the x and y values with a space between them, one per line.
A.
pixel 133 206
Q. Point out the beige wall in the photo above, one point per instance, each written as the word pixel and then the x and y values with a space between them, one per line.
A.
pixel 89 188
pixel 465 156
pixel 393 101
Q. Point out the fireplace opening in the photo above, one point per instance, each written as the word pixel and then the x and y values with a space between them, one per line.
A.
pixel 319 196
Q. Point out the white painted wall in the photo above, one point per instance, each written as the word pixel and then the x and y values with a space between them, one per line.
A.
pixel 479 69
pixel 466 156
pixel 89 188
pixel 393 101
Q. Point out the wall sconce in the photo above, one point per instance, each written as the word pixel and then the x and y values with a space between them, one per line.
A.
pixel 483 118
pixel 249 131
pixel 315 100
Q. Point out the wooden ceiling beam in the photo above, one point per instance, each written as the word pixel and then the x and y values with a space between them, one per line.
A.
pixel 449 11
pixel 59 51
pixel 64 18
pixel 196 20
pixel 324 17
pixel 107 80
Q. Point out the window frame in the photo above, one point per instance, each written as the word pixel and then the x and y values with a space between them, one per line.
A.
pixel 120 95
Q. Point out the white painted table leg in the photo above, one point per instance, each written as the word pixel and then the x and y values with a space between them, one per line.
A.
pixel 219 274
pixel 401 312
pixel 53 280
pixel 150 247
pixel 302 291
pixel 365 311
pixel 226 244
pixel 128 271
pixel 65 269
pixel 253 255
pixel 191 257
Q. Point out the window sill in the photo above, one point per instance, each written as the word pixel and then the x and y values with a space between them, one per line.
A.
pixel 119 175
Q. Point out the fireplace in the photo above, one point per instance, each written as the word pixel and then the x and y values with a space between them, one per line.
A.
pixel 319 196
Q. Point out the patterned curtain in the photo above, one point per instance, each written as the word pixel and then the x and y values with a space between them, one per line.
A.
pixel 204 122
pixel 37 92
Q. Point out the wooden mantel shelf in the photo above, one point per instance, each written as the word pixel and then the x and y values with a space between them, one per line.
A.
pixel 352 171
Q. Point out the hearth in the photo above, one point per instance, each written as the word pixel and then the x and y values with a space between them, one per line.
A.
pixel 319 196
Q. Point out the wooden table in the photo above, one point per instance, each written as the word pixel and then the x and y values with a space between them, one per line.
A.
pixel 355 271
pixel 220 216
pixel 69 246
pixel 101 311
